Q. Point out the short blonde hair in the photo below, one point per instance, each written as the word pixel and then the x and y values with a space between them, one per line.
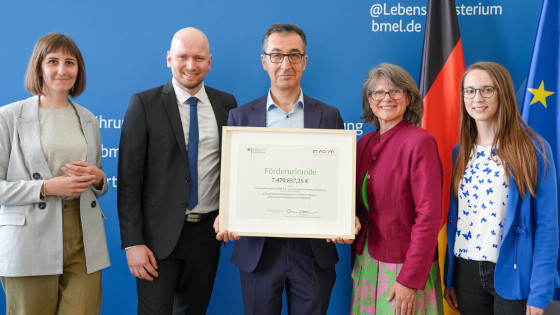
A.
pixel 45 45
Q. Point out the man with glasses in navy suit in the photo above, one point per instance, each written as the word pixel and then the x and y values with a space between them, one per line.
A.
pixel 267 265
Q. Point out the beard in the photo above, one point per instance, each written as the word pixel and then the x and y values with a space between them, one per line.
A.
pixel 190 85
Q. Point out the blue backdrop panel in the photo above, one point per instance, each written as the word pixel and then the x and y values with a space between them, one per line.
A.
pixel 124 45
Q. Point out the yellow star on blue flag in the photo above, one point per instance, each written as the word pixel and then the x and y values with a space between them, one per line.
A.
pixel 540 94
pixel 545 67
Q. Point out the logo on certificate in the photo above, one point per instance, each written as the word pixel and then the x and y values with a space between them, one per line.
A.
pixel 253 151
pixel 323 151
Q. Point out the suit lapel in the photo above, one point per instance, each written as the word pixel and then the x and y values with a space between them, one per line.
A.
pixel 219 111
pixel 259 108
pixel 89 135
pixel 169 101
pixel 30 136
pixel 511 208
pixel 311 115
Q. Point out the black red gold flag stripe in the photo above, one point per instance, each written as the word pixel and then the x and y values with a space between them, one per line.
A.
pixel 440 76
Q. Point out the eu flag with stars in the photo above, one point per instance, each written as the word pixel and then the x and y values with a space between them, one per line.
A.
pixel 541 101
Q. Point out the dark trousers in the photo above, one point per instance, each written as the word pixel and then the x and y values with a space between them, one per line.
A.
pixel 186 277
pixel 287 263
pixel 474 287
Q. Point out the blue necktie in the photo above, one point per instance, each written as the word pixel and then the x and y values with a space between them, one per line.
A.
pixel 192 151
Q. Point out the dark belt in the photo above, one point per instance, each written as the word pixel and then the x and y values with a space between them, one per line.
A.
pixel 199 217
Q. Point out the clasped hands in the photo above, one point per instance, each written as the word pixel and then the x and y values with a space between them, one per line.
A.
pixel 77 177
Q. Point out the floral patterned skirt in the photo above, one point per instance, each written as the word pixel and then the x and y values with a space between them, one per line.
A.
pixel 373 279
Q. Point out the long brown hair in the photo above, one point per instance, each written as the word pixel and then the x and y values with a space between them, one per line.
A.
pixel 512 142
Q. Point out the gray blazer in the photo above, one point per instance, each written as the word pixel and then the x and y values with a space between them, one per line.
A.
pixel 30 229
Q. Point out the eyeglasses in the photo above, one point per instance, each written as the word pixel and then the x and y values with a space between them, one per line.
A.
pixel 485 92
pixel 279 58
pixel 395 94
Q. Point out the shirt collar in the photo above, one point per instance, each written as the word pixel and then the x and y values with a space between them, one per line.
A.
pixel 183 96
pixel 270 102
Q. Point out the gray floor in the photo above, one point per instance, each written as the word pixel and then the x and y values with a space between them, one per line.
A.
pixel 553 308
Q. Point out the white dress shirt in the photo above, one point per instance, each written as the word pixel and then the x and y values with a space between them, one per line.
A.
pixel 208 148
pixel 277 117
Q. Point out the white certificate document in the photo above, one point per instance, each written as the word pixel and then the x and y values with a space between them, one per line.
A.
pixel 292 186
pixel 288 182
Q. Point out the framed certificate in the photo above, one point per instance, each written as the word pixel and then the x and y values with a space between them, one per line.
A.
pixel 288 182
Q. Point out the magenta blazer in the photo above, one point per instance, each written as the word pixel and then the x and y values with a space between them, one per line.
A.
pixel 404 190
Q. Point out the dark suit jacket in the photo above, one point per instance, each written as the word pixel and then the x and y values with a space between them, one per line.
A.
pixel 154 177
pixel 247 250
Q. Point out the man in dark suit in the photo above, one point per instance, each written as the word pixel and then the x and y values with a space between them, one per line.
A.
pixel 168 192
pixel 304 267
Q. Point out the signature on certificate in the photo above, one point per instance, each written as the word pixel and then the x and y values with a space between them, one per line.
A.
pixel 300 213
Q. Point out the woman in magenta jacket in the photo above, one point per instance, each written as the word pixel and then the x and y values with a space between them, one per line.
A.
pixel 399 180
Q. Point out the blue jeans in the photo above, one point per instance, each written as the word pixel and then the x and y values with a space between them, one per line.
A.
pixel 474 288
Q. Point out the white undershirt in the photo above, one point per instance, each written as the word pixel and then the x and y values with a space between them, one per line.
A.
pixel 62 138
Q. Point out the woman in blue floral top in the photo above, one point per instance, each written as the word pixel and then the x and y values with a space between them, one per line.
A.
pixel 503 218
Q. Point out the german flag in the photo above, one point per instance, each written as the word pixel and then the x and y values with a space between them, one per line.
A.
pixel 440 77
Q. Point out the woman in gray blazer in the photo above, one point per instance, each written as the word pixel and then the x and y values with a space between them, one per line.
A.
pixel 52 237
